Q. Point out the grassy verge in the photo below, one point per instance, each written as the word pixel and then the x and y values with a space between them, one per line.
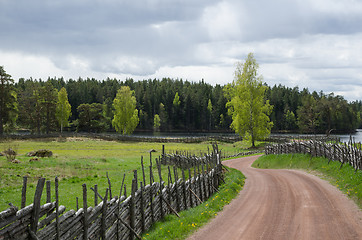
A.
pixel 346 179
pixel 172 227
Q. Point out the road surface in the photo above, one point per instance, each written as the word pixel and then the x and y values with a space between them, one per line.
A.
pixel 284 204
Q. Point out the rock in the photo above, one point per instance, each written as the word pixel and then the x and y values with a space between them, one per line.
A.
pixel 44 153
pixel 15 161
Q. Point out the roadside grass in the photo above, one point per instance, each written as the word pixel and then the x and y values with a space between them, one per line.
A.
pixel 245 146
pixel 82 160
pixel 345 179
pixel 172 227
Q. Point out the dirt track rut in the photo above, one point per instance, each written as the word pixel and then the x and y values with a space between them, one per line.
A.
pixel 284 204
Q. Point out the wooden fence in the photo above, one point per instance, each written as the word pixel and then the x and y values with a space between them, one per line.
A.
pixel 124 217
pixel 342 152
pixel 185 160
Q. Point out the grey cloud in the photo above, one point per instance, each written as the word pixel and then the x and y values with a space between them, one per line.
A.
pixel 311 43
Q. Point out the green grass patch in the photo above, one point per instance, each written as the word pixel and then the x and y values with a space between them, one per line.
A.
pixel 346 179
pixel 82 160
pixel 172 227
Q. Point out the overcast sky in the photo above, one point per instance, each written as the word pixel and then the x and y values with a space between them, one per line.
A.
pixel 305 43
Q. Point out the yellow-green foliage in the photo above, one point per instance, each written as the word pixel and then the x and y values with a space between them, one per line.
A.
pixel 246 102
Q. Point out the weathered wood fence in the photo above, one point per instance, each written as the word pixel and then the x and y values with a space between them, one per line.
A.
pixel 124 217
pixel 342 152
pixel 184 160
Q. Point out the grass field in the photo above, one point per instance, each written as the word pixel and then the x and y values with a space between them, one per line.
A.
pixel 346 179
pixel 82 160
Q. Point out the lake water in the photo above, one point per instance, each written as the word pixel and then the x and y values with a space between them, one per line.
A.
pixel 357 136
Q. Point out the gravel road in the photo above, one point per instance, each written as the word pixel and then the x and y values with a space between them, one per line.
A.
pixel 284 204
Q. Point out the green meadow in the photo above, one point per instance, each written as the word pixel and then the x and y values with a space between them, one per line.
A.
pixel 82 160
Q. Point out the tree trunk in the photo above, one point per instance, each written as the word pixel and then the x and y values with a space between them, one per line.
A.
pixel 1 126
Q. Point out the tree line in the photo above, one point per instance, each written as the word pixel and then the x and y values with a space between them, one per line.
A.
pixel 163 105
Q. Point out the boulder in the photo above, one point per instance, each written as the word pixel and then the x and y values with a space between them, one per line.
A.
pixel 44 153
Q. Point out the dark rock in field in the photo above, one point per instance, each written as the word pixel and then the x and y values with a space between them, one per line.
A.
pixel 31 154
pixel 15 161
pixel 34 159
pixel 43 153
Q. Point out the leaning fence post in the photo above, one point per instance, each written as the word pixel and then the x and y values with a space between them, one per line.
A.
pixel 95 194
pixel 184 189
pixel 36 207
pixel 110 187
pixel 143 172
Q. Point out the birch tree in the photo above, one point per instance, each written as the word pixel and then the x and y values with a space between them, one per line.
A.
pixel 125 118
pixel 246 102
pixel 63 111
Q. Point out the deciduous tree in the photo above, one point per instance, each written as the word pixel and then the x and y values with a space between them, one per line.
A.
pixel 156 122
pixel 63 111
pixel 247 105
pixel 125 118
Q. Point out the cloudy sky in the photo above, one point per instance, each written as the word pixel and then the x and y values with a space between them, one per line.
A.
pixel 305 43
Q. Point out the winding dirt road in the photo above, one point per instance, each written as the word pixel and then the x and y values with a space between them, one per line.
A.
pixel 284 204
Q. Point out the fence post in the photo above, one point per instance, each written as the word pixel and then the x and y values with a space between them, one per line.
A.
pixel 190 186
pixel 48 191
pixel 142 208
pixel 23 192
pixel 184 189
pixel 151 196
pixel 109 186
pixel 132 207
pixel 103 218
pixel 57 209
pixel 85 214
pixel 143 172
pixel 178 205
pixel 36 207
pixel 95 194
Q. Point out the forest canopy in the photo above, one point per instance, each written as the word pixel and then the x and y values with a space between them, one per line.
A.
pixel 179 105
